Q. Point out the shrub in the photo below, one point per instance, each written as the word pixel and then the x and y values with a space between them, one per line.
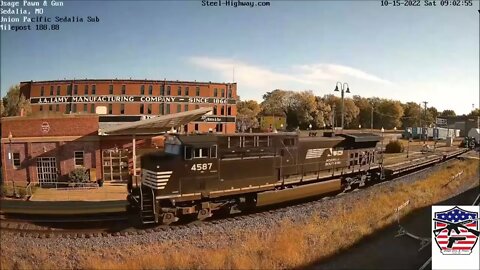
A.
pixel 3 191
pixel 394 147
pixel 78 175
pixel 22 192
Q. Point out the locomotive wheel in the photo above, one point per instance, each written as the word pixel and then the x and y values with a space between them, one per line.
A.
pixel 168 218
pixel 204 213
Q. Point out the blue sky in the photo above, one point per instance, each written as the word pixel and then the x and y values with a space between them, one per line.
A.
pixel 411 54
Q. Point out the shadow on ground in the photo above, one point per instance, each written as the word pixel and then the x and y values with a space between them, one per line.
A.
pixel 383 250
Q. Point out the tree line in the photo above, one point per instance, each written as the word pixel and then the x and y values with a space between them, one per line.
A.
pixel 303 109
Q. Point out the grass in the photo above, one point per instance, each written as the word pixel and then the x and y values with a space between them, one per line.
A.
pixel 286 245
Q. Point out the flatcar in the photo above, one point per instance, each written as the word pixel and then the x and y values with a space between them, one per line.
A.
pixel 200 174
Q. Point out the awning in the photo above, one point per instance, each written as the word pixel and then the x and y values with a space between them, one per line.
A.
pixel 156 125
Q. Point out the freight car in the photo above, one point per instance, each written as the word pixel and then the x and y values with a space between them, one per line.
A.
pixel 199 174
pixel 395 170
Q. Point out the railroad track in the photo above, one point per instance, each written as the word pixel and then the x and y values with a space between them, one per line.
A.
pixel 121 225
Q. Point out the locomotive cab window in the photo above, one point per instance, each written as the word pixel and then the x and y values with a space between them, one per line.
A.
pixel 263 141
pixel 213 151
pixel 201 152
pixel 172 149
pixel 289 142
pixel 188 153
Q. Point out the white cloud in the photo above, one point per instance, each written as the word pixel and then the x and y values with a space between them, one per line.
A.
pixel 334 72
pixel 258 76
pixel 246 74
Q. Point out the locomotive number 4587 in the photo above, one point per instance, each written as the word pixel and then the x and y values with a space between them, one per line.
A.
pixel 201 166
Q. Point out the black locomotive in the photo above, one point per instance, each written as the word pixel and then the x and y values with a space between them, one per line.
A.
pixel 199 174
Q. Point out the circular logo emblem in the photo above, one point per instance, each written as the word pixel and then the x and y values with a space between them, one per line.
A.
pixel 45 127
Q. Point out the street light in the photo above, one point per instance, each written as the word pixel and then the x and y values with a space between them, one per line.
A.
pixel 333 120
pixel 371 119
pixel 409 130
pixel 382 130
pixel 342 86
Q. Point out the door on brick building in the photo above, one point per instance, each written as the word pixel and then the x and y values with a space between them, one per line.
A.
pixel 47 172
pixel 115 165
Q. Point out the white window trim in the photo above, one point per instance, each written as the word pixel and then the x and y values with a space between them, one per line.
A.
pixel 213 150
pixel 75 158
pixel 19 160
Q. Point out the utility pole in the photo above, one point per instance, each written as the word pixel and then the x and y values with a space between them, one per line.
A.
pixel 371 120
pixel 343 108
pixel 425 120
pixel 333 116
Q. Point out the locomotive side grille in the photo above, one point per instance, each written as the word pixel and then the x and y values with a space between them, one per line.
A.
pixel 155 180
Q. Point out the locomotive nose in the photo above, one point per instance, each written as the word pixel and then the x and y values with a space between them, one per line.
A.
pixel 157 170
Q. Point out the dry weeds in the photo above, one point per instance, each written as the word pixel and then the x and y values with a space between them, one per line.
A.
pixel 286 246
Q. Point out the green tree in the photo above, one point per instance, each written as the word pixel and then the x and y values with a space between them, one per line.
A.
pixel 321 115
pixel 391 112
pixel 274 102
pixel 364 106
pixel 474 113
pixel 305 107
pixel 2 109
pixel 247 112
pixel 298 107
pixel 448 113
pixel 432 114
pixel 351 110
pixel 280 102
pixel 412 113
pixel 14 102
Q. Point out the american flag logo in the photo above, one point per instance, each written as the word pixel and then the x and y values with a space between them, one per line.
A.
pixel 456 231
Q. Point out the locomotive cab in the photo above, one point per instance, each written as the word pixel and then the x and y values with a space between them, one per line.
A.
pixel 184 167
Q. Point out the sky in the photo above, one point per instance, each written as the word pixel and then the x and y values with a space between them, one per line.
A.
pixel 404 53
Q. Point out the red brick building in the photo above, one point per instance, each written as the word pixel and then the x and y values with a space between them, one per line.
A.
pixel 131 100
pixel 45 148
pixel 53 145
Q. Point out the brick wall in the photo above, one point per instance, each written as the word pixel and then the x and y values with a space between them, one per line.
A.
pixel 46 126
pixel 62 151
pixel 31 138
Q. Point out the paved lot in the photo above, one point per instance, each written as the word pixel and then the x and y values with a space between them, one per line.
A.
pixel 109 192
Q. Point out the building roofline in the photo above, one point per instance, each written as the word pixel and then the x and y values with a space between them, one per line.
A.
pixel 125 80
pixel 49 116
pixel 156 125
